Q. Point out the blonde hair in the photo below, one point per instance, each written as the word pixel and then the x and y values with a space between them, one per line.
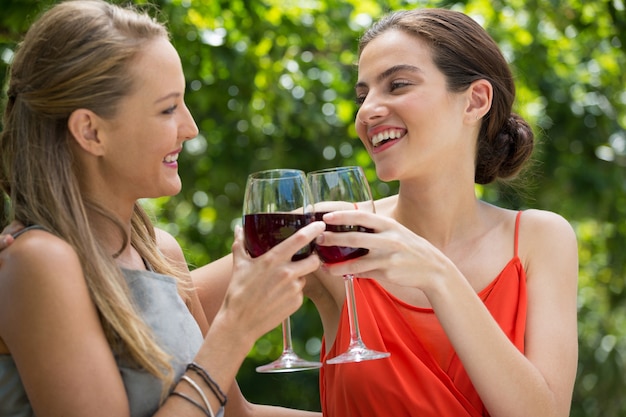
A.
pixel 77 55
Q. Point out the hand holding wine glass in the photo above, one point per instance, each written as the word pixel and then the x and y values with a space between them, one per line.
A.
pixel 276 205
pixel 344 188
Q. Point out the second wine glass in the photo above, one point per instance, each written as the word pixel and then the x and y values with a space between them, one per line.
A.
pixel 344 188
pixel 276 205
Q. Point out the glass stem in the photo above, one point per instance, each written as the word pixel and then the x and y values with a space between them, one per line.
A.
pixel 353 318
pixel 287 343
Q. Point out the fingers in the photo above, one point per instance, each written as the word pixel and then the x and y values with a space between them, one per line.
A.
pixel 5 241
pixel 5 238
pixel 280 256
pixel 267 289
pixel 383 243
pixel 12 228
pixel 359 267
pixel 349 239
pixel 287 248
pixel 238 245
pixel 382 230
pixel 298 240
pixel 355 217
pixel 277 261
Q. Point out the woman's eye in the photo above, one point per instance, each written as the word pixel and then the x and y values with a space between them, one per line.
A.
pixel 359 99
pixel 170 109
pixel 398 84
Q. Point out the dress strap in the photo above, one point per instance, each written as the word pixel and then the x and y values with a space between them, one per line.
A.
pixel 26 229
pixel 517 218
pixel 147 264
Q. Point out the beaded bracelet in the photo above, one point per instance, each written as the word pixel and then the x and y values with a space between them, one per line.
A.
pixel 192 401
pixel 200 393
pixel 219 394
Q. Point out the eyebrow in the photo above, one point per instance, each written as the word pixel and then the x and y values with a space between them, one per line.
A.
pixel 167 97
pixel 389 72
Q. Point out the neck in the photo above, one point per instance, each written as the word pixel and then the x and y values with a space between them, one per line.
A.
pixel 439 213
pixel 113 233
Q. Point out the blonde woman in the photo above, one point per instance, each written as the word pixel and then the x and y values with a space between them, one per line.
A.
pixel 98 316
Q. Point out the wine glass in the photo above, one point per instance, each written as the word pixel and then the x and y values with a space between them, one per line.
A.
pixel 276 204
pixel 344 188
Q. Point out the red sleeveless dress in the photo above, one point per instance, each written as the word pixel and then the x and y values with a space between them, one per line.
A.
pixel 423 377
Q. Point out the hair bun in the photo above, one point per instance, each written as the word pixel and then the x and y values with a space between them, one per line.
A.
pixel 503 156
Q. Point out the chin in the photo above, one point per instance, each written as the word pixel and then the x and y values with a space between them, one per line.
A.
pixel 173 188
pixel 172 192
pixel 164 192
pixel 387 172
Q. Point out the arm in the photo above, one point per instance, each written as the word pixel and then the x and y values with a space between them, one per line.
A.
pixel 211 282
pixel 44 302
pixel 262 292
pixel 539 383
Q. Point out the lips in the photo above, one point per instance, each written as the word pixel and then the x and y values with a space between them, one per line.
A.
pixel 171 158
pixel 388 134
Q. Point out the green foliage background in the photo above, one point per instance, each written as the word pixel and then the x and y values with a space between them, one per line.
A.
pixel 270 83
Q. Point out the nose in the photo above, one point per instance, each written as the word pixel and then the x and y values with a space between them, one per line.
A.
pixel 371 110
pixel 188 129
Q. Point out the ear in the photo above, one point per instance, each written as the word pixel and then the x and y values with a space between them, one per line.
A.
pixel 480 99
pixel 83 125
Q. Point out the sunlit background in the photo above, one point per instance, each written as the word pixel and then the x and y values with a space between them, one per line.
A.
pixel 270 84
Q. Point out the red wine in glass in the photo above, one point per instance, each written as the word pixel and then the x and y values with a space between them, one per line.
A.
pixel 344 188
pixel 277 204
pixel 336 254
pixel 266 230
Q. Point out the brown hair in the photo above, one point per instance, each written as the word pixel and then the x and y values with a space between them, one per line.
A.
pixel 464 52
pixel 77 55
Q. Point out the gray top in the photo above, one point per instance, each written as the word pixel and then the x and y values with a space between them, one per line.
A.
pixel 175 329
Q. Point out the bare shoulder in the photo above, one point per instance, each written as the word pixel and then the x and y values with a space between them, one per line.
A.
pixel 36 262
pixel 546 238
pixel 47 316
pixel 546 225
pixel 169 246
pixel 35 251
pixel 38 272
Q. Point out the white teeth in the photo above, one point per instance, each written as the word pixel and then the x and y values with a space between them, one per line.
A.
pixel 386 135
pixel 171 158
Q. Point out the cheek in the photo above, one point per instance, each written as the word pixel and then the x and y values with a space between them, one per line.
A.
pixel 361 130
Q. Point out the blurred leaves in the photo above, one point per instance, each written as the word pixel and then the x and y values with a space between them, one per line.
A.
pixel 270 83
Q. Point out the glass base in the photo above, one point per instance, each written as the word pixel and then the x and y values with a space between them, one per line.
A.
pixel 358 352
pixel 288 362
